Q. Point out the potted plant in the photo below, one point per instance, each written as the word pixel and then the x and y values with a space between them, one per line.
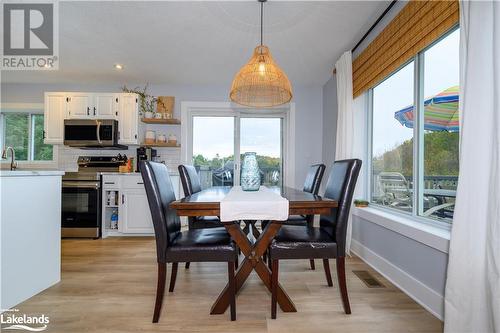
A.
pixel 147 102
pixel 361 203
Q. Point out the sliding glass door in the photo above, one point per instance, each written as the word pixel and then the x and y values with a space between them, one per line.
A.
pixel 264 136
pixel 214 150
pixel 220 141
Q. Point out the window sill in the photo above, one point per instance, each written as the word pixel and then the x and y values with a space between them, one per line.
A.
pixel 433 236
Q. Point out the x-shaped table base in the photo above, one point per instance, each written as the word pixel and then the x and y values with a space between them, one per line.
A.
pixel 253 261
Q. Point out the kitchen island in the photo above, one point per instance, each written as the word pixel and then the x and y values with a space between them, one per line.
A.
pixel 30 205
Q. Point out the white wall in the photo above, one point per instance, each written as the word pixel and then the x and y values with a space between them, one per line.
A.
pixel 308 102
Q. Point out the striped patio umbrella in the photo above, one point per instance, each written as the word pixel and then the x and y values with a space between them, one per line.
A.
pixel 441 112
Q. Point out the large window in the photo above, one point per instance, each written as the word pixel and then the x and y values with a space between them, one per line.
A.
pixel 415 134
pixel 220 138
pixel 23 131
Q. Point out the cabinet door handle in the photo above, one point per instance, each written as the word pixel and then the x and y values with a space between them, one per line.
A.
pixel 139 183
pixel 116 100
pixel 109 183
pixel 94 110
pixel 123 199
pixel 88 110
pixel 43 134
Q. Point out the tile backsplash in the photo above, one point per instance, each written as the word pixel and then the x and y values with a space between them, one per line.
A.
pixel 67 156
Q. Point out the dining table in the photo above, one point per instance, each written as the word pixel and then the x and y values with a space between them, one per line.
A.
pixel 207 203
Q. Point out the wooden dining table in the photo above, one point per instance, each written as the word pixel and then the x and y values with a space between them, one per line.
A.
pixel 207 203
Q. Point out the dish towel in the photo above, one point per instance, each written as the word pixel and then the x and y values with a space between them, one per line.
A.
pixel 263 204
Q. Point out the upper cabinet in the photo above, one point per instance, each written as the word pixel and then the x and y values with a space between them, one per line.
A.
pixel 106 106
pixel 128 119
pixel 92 106
pixel 53 120
pixel 81 105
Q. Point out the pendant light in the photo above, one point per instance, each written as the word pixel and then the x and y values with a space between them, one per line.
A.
pixel 261 83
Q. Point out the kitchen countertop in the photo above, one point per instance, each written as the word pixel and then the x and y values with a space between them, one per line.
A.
pixel 28 173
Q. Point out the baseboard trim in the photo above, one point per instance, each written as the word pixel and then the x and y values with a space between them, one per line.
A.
pixel 419 292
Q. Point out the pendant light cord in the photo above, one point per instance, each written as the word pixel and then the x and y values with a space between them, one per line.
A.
pixel 261 21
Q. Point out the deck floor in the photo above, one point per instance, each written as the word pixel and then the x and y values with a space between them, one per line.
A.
pixel 109 286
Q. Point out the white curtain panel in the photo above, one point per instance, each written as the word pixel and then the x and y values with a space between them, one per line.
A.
pixel 345 120
pixel 472 298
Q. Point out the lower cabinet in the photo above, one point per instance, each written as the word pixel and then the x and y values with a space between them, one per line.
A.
pixel 125 207
pixel 134 213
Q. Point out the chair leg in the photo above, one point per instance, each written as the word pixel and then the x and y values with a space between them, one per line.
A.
pixel 232 286
pixel 160 290
pixel 274 288
pixel 326 265
pixel 342 284
pixel 311 262
pixel 236 262
pixel 187 265
pixel 173 276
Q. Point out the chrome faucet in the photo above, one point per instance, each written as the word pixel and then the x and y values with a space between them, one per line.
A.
pixel 13 163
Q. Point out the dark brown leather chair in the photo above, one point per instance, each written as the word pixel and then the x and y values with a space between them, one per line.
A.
pixel 173 245
pixel 327 240
pixel 311 185
pixel 191 184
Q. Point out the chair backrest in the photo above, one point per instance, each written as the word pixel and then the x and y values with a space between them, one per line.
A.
pixel 394 184
pixel 189 179
pixel 160 193
pixel 313 178
pixel 340 187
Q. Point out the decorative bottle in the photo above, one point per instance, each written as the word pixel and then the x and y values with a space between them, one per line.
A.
pixel 250 173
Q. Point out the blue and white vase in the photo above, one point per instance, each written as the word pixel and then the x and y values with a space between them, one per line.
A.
pixel 250 173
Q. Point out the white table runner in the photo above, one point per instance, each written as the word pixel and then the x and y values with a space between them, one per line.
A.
pixel 263 204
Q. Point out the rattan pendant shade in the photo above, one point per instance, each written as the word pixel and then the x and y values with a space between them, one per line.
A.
pixel 261 83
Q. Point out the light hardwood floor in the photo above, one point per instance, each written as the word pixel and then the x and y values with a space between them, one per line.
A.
pixel 109 286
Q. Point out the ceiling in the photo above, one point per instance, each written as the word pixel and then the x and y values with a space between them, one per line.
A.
pixel 200 42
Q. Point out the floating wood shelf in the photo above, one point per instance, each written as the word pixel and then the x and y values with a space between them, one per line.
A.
pixel 161 121
pixel 161 144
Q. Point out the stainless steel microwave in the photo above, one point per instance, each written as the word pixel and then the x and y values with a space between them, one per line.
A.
pixel 91 133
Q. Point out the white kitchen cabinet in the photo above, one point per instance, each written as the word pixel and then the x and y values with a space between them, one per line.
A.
pixel 80 105
pixel 134 212
pixel 128 119
pixel 128 197
pixel 105 106
pixel 53 120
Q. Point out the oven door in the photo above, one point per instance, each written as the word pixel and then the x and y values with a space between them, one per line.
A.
pixel 80 208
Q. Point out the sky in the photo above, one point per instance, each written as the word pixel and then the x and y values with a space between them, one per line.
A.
pixel 441 71
pixel 215 135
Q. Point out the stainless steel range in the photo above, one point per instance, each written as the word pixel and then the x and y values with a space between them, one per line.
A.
pixel 81 195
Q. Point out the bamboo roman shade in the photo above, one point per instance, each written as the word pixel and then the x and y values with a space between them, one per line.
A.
pixel 416 26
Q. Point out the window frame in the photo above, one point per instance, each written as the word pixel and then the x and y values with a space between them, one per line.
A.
pixel 213 109
pixel 418 141
pixel 29 109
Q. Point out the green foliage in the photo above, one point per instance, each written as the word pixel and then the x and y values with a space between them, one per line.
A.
pixel 42 151
pixel 147 102
pixel 17 136
pixel 265 162
pixel 440 156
